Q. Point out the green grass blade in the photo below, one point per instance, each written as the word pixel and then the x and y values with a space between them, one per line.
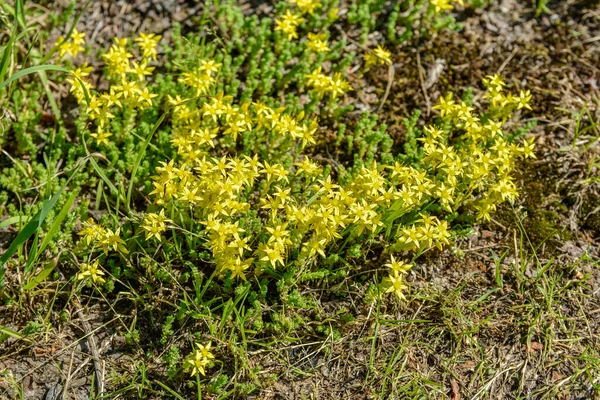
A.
pixel 140 157
pixel 100 172
pixel 14 220
pixel 45 67
pixel 8 48
pixel 168 389
pixel 31 228
pixel 41 276
pixel 56 224
pixel 20 13
pixel 9 332
pixel 50 96
pixel 32 256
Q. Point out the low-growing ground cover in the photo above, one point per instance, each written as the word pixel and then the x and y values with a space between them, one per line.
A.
pixel 308 199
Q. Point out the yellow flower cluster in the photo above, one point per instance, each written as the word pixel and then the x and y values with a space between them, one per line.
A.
pixel 201 78
pixel 474 168
pixel 378 56
pixel 148 43
pixel 154 224
pixel 482 164
pixel 395 279
pixel 128 87
pixel 73 46
pixel 100 237
pixel 91 271
pixel 288 24
pixel 317 43
pixel 260 213
pixel 307 6
pixel 334 85
pixel 440 6
pixel 505 103
pixel 301 211
pixel 198 360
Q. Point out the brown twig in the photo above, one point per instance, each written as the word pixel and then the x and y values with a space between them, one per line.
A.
pixel 508 59
pixel 388 88
pixel 68 379
pixel 422 80
pixel 93 349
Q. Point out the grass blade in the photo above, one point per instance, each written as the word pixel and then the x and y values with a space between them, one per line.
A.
pixel 14 220
pixel 41 276
pixel 168 389
pixel 8 48
pixel 9 332
pixel 140 157
pixel 45 67
pixel 31 228
pixel 56 224
pixel 20 13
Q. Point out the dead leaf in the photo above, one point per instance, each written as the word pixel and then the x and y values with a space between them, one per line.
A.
pixel 536 346
pixel 557 376
pixel 455 390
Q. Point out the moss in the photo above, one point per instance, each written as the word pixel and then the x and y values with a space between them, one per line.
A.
pixel 546 224
pixel 589 212
pixel 545 221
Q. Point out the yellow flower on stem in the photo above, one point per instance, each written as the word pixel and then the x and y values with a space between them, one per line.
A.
pixel 91 271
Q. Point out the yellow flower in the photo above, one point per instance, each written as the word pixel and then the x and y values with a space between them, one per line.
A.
pixel 140 70
pixel 74 46
pixel 398 267
pixel 307 6
pixel 272 253
pixel 441 5
pixel 288 23
pixel 524 99
pixel 308 167
pixel 198 360
pixel 91 271
pixel 494 82
pixel 277 171
pixel 396 285
pixel 91 231
pixel 317 43
pixel 112 239
pixel 379 56
pixel 148 43
pixel 111 98
pixel 209 66
pixel 154 224
pixel 101 136
pixel 82 71
pixel 238 267
pixel 383 54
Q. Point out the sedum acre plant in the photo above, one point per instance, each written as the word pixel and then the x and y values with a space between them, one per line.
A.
pixel 243 184
pixel 215 163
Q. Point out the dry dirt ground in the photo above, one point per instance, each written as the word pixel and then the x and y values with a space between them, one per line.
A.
pixel 512 312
